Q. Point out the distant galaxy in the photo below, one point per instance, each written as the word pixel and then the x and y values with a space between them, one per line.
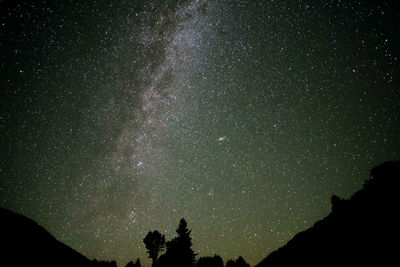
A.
pixel 121 117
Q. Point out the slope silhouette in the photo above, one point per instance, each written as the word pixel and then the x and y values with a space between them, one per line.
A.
pixel 25 243
pixel 363 230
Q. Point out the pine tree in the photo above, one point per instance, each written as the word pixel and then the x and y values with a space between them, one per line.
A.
pixel 179 250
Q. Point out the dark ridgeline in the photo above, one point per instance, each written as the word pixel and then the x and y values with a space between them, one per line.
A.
pixel 25 243
pixel 361 231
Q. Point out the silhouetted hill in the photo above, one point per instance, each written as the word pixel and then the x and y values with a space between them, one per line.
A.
pixel 25 243
pixel 358 231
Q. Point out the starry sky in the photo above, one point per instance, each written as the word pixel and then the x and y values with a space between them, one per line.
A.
pixel 243 117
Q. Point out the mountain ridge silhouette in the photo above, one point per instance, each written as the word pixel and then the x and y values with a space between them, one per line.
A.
pixel 358 231
pixel 25 243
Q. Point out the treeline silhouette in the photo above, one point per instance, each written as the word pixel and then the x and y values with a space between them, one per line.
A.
pixel 362 230
pixel 25 243
pixel 179 252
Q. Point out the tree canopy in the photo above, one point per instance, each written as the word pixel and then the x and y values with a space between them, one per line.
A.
pixel 155 243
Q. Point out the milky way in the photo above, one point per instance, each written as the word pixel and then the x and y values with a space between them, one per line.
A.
pixel 243 117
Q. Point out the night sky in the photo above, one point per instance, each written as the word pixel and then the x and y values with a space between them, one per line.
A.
pixel 243 117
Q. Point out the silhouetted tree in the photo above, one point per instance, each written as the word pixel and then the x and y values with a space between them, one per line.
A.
pixel 104 263
pixel 131 264
pixel 215 261
pixel 179 250
pixel 155 243
pixel 337 203
pixel 239 262
pixel 230 263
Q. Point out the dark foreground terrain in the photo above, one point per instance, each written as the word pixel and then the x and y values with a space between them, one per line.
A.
pixel 25 243
pixel 361 231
